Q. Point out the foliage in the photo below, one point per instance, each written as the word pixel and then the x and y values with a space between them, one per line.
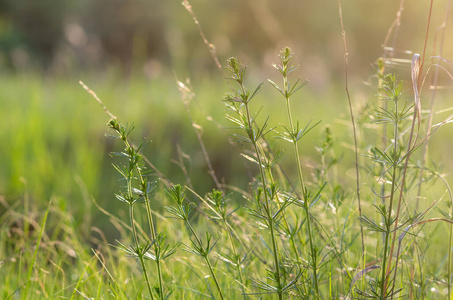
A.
pixel 286 226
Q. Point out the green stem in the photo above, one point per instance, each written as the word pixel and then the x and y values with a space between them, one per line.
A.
pixel 131 215
pixel 389 217
pixel 206 258
pixel 285 220
pixel 403 180
pixel 150 221
pixel 214 277
pixel 159 272
pixel 302 187
pixel 153 233
pixel 267 207
pixel 387 236
pixel 267 204
pixel 152 229
pixel 142 262
pixel 235 253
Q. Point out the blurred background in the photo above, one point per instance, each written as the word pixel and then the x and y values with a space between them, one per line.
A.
pixel 132 52
pixel 151 36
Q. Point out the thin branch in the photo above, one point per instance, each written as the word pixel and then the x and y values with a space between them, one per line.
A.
pixel 186 96
pixel 343 32
pixel 166 181
pixel 112 116
pixel 210 46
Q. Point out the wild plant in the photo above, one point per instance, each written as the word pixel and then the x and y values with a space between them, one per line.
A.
pixel 399 178
pixel 293 134
pixel 271 201
pixel 266 193
pixel 182 211
pixel 217 203
pixel 287 235
pixel 305 251
pixel 138 188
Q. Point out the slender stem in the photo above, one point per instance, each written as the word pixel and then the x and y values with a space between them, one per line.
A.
pixel 389 216
pixel 301 177
pixel 267 204
pixel 387 235
pixel 152 230
pixel 200 244
pixel 270 221
pixel 352 122
pixel 159 272
pixel 425 147
pixel 131 209
pixel 285 220
pixel 383 145
pixel 146 277
pixel 434 82
pixel 142 262
pixel 214 277
pixel 235 253
pixel 426 40
pixel 306 204
pixel 156 247
pixel 400 200
pixel 131 216
pixel 396 26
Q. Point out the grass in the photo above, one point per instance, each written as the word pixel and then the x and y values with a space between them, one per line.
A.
pixel 257 199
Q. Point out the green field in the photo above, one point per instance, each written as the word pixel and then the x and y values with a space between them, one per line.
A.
pixel 199 188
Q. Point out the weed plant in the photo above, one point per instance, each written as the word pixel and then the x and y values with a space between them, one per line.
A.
pixel 291 240
pixel 299 235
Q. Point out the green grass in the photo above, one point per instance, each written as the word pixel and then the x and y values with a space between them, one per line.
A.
pixel 58 151
pixel 66 265
pixel 228 218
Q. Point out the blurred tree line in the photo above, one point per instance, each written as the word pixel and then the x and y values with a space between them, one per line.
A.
pixel 48 33
pixel 153 34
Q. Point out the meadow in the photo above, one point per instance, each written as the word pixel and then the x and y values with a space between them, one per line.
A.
pixel 235 183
